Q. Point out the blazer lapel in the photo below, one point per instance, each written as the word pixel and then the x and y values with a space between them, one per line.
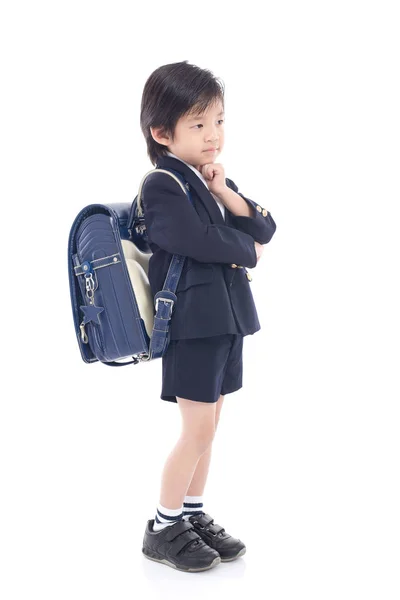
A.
pixel 195 182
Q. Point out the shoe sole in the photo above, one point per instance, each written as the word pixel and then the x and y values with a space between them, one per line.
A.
pixel 242 551
pixel 158 558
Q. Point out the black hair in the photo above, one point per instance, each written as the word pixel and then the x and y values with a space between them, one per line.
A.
pixel 172 91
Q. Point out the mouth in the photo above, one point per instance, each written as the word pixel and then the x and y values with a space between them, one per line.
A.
pixel 211 150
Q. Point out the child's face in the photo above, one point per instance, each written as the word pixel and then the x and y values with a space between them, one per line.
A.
pixel 195 135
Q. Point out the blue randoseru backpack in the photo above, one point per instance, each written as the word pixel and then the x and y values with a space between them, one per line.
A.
pixel 115 316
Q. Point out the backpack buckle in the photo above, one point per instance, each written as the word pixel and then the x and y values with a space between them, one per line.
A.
pixel 164 300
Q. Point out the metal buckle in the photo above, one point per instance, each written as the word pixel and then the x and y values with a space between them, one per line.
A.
pixel 164 300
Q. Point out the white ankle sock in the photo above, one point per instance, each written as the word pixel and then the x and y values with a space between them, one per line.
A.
pixel 192 505
pixel 166 516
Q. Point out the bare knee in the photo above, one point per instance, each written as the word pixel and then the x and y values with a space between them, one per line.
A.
pixel 198 441
pixel 198 423
pixel 198 435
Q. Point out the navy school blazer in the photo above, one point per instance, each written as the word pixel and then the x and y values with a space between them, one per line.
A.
pixel 213 297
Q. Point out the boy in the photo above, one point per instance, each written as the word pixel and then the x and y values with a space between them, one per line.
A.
pixel 182 119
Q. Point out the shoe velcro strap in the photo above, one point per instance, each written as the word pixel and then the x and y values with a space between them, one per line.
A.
pixel 214 528
pixel 206 521
pixel 184 539
pixel 177 529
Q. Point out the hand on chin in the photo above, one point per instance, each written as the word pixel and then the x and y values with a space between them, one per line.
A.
pixel 214 174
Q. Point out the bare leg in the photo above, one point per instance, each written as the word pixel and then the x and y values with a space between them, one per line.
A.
pixel 197 485
pixel 198 430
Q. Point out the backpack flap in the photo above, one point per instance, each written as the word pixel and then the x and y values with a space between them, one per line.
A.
pixel 107 318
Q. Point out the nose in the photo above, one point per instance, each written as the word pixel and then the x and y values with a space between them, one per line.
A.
pixel 212 138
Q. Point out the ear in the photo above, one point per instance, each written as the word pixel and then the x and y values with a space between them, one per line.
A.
pixel 159 136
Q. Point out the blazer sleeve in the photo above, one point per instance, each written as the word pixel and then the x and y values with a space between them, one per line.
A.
pixel 174 225
pixel 260 227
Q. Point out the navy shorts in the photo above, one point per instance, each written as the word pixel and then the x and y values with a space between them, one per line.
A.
pixel 202 369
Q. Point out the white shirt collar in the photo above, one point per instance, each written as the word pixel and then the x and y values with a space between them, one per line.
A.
pixel 220 204
pixel 190 166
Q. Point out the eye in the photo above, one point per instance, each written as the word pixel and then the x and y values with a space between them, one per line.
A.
pixel 201 125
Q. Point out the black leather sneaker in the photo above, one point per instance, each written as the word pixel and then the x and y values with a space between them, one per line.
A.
pixel 179 546
pixel 216 537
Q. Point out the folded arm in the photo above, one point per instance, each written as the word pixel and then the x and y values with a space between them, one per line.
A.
pixel 261 226
pixel 174 225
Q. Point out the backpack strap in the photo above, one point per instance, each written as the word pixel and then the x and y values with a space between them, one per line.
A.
pixel 164 299
pixel 171 172
pixel 136 215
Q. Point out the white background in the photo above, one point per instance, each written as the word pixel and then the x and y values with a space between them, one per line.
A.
pixel 305 466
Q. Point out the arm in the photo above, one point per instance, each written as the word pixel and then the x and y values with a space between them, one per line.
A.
pixel 260 225
pixel 174 225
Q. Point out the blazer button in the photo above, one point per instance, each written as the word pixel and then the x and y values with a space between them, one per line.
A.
pixel 258 208
pixel 264 212
pixel 233 266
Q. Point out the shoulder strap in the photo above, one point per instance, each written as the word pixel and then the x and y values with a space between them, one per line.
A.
pixel 139 196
